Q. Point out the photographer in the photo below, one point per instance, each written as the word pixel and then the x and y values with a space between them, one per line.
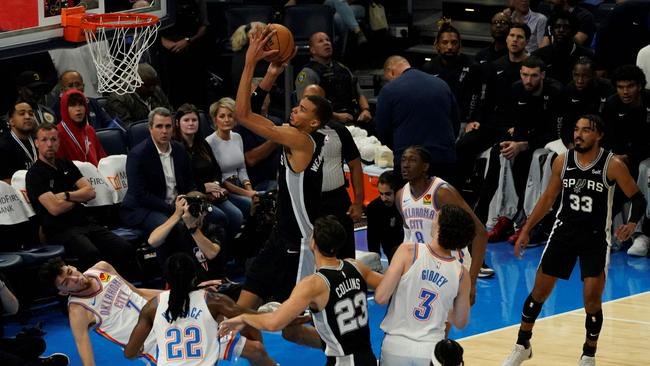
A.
pixel 195 237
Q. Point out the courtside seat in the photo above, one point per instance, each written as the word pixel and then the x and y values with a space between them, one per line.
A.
pixel 9 261
pixel 112 140
pixel 137 132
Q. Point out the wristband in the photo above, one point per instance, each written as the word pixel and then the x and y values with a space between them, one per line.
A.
pixel 188 39
pixel 67 196
pixel 193 230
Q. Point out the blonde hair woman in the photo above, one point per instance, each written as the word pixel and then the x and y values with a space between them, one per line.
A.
pixel 228 148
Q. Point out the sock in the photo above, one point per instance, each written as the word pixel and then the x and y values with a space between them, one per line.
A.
pixel 588 350
pixel 523 337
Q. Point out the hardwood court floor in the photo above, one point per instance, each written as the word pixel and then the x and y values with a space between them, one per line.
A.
pixel 558 339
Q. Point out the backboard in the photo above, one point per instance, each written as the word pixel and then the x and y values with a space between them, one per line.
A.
pixel 29 26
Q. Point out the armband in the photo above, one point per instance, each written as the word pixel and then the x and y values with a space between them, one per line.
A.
pixel 67 196
pixel 638 207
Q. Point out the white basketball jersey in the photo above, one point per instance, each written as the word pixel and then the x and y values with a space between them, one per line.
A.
pixel 425 294
pixel 419 213
pixel 192 340
pixel 116 308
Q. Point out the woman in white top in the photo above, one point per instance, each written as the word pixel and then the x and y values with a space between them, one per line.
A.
pixel 228 149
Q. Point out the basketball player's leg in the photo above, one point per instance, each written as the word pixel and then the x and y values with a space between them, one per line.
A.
pixel 593 268
pixel 255 353
pixel 304 335
pixel 231 347
pixel 262 276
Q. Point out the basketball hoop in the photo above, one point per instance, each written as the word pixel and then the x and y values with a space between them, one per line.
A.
pixel 116 41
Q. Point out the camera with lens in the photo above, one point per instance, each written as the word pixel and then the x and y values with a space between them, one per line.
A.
pixel 196 205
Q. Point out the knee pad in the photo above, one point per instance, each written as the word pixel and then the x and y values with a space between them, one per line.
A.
pixel 531 310
pixel 593 324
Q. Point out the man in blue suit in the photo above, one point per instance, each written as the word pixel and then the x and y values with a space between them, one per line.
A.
pixel 158 170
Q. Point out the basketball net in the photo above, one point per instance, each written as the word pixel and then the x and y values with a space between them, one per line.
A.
pixel 116 51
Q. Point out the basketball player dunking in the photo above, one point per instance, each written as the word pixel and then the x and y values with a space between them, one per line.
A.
pixel 419 201
pixel 428 287
pixel 337 297
pixel 586 176
pixel 285 258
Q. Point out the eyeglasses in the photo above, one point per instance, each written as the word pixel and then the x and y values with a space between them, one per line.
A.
pixel 500 22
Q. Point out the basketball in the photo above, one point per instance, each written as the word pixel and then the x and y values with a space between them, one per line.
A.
pixel 282 41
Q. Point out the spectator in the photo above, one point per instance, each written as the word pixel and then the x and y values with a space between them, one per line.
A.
pixel 239 44
pixel 585 26
pixel 521 13
pixel 489 118
pixel 17 147
pixel 585 94
pixel 340 147
pixel 32 89
pixel 135 107
pixel 206 169
pixel 23 350
pixel 228 149
pixel 88 293
pixel 97 116
pixel 450 64
pixel 77 137
pixel 404 116
pixel 342 87
pixel 499 27
pixel 626 116
pixel 204 246
pixel 183 54
pixel 563 51
pixel 385 226
pixel 345 18
pixel 158 170
pixel 536 110
pixel 57 191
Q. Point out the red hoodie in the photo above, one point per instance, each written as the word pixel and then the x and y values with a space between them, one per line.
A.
pixel 77 142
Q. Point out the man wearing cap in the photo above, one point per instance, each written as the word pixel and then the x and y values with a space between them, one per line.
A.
pixel 31 88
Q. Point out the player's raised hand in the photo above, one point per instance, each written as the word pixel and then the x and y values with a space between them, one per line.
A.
pixel 522 242
pixel 231 326
pixel 256 42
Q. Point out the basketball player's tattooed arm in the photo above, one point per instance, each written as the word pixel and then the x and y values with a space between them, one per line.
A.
pixel 80 320
pixel 617 170
pixel 311 291
pixel 449 195
pixel 543 206
pixel 142 329
pixel 398 266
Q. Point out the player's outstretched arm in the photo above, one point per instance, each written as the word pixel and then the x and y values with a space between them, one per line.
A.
pixel 142 329
pixel 79 322
pixel 372 278
pixel 544 204
pixel 618 171
pixel 459 316
pixel 449 195
pixel 303 295
pixel 398 266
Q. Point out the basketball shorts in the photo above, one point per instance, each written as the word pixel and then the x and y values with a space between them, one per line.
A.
pixel 401 351
pixel 272 273
pixel 359 358
pixel 231 347
pixel 560 255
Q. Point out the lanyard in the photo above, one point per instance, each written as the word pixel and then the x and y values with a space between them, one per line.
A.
pixel 74 139
pixel 31 156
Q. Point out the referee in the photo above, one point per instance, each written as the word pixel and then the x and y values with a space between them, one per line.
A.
pixel 340 147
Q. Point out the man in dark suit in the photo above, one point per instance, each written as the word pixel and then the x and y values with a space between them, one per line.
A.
pixel 158 170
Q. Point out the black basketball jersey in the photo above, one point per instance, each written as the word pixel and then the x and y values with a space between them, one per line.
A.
pixel 343 323
pixel 299 195
pixel 587 195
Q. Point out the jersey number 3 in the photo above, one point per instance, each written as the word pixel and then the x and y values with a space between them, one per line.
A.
pixel 183 344
pixel 345 310
pixel 423 311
